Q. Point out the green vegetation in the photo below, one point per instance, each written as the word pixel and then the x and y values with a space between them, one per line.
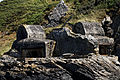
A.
pixel 16 12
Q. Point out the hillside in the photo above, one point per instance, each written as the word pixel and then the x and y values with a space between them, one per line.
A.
pixel 16 12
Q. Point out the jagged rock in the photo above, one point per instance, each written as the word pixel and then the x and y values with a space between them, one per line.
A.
pixel 116 28
pixel 91 68
pixel 69 42
pixel 56 15
pixel 94 68
pixel 88 28
pixel 107 26
pixel 40 71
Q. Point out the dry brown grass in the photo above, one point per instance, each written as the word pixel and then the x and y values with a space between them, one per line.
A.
pixel 6 42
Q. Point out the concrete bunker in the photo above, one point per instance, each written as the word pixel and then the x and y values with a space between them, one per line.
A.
pixel 31 42
pixel 30 47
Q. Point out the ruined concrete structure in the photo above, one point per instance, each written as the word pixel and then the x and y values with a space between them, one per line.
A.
pixel 105 44
pixel 81 44
pixel 31 42
pixel 84 38
pixel 34 47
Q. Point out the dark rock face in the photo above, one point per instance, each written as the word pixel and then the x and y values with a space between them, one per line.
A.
pixel 88 28
pixel 116 28
pixel 69 42
pixel 92 68
pixel 56 15
pixel 116 23
pixel 107 26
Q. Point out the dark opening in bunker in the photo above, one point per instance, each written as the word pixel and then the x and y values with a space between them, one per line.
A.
pixel 33 53
pixel 104 49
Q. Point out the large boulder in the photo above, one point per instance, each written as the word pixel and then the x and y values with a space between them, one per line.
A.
pixel 116 23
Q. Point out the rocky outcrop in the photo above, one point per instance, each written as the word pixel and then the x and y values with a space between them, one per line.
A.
pixel 116 28
pixel 92 68
pixel 56 15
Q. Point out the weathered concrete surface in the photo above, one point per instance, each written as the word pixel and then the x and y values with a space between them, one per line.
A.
pixel 46 46
pixel 69 42
pixel 30 31
pixel 88 28
pixel 92 68
pixel 104 40
pixel 35 47
pixel 56 15
pixel 31 39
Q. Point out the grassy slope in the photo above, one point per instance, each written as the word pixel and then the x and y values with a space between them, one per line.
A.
pixel 17 12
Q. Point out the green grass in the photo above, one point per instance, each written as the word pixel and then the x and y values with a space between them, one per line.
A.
pixel 17 12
